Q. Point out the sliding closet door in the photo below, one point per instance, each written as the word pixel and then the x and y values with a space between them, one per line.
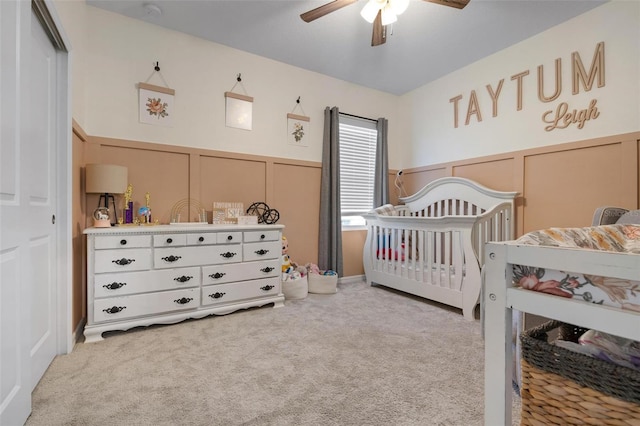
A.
pixel 29 182
pixel 15 244
pixel 40 167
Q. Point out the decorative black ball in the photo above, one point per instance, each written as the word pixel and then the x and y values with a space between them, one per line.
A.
pixel 264 213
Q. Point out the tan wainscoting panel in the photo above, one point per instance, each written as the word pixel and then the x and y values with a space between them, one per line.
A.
pixel 232 180
pixel 394 192
pixel 296 196
pixel 352 250
pixel 78 206
pixel 163 174
pixel 638 169
pixel 414 180
pixel 496 174
pixel 558 185
pixel 563 188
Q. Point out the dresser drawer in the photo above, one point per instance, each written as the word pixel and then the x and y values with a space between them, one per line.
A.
pixel 219 274
pixel 169 240
pixel 257 236
pixel 117 308
pixel 122 260
pixel 229 237
pixel 225 293
pixel 120 284
pixel 259 251
pixel 202 238
pixel 194 256
pixel 122 241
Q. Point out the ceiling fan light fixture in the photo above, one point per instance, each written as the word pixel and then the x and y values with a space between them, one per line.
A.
pixel 388 16
pixel 399 6
pixel 370 10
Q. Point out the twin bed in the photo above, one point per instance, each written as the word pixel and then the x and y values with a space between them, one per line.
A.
pixel 431 246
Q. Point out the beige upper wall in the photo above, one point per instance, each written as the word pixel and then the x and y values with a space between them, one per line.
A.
pixel 115 53
pixel 118 52
pixel 427 114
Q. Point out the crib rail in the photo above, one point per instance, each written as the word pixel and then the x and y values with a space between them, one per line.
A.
pixel 493 225
pixel 432 251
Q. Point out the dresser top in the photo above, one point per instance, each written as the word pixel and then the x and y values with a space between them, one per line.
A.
pixel 182 228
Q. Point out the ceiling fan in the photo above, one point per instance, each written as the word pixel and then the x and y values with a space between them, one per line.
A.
pixel 378 12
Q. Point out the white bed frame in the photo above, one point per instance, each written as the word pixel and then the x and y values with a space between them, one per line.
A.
pixel 444 228
pixel 502 298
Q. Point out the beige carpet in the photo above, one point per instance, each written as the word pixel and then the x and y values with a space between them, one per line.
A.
pixel 363 356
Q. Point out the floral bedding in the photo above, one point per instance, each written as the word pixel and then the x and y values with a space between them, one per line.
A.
pixel 624 294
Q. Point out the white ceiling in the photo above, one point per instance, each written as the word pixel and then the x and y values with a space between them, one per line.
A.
pixel 428 41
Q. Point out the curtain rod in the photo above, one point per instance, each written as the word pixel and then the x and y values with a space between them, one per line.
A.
pixel 357 116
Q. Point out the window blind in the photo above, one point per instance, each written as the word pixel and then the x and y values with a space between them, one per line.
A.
pixel 357 165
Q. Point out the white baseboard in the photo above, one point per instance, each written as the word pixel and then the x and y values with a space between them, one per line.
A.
pixel 351 279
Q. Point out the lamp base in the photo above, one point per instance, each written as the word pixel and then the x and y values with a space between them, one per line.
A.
pixel 106 198
pixel 101 223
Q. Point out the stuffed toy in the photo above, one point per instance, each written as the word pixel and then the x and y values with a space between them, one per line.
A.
pixel 286 261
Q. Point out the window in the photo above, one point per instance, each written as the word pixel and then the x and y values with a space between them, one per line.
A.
pixel 358 140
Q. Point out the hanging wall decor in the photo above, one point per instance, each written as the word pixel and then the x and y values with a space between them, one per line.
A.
pixel 155 102
pixel 238 109
pixel 297 127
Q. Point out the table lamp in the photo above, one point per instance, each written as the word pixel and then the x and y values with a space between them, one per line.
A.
pixel 106 180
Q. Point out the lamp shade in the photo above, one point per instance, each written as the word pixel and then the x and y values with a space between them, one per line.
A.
pixel 106 179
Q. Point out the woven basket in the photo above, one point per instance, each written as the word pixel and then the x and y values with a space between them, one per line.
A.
pixel 323 284
pixel 561 387
pixel 295 289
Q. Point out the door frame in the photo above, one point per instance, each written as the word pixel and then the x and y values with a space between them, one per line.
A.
pixel 52 24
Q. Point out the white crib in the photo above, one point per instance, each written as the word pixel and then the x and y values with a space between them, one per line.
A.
pixel 430 246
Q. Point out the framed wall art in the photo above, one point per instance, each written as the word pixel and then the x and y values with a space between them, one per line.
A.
pixel 297 129
pixel 156 104
pixel 238 111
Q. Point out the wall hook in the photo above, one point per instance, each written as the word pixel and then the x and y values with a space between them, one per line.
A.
pixel 157 67
pixel 239 77
pixel 298 100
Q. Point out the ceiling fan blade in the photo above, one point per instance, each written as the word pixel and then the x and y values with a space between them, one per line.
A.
pixel 458 4
pixel 325 9
pixel 379 31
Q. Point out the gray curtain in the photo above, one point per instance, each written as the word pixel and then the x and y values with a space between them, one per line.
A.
pixel 381 178
pixel 330 238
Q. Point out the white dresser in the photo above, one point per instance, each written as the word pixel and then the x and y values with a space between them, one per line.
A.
pixel 163 274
